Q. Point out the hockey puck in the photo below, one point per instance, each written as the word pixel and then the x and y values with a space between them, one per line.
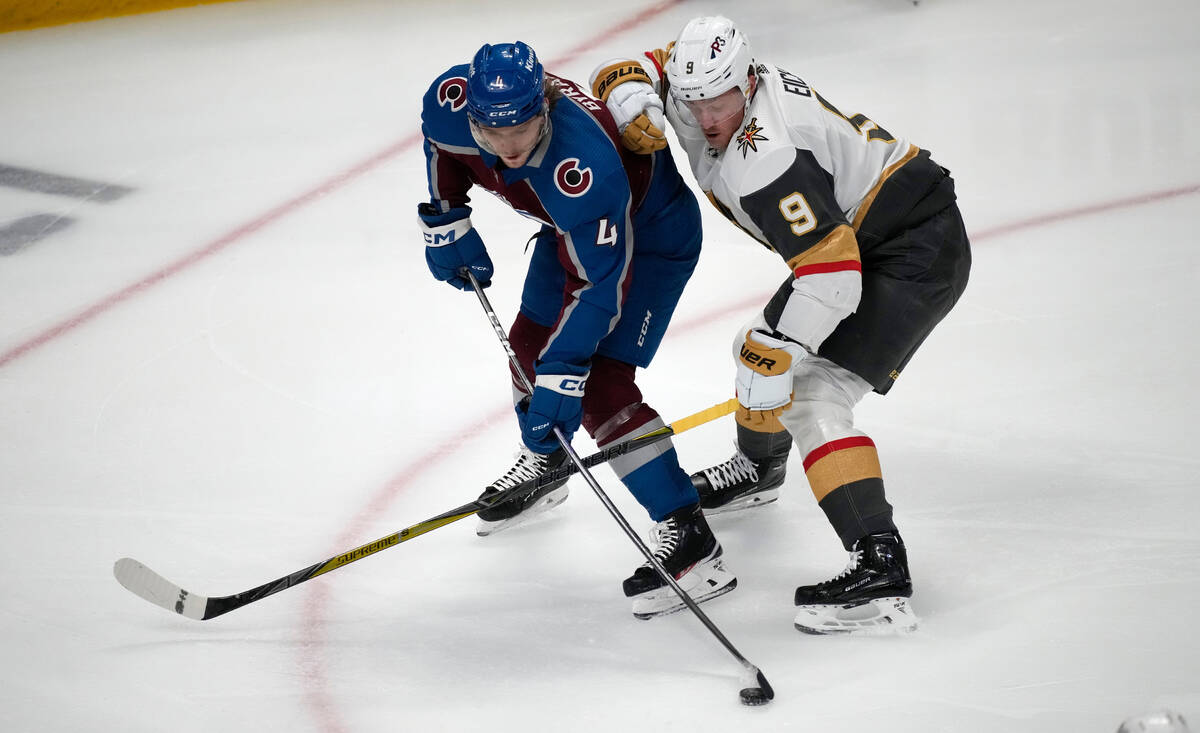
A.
pixel 753 696
pixel 757 691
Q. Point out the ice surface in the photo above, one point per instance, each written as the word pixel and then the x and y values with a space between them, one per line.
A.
pixel 242 367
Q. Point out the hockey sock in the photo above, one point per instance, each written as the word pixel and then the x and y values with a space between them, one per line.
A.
pixel 757 445
pixel 847 481
pixel 660 485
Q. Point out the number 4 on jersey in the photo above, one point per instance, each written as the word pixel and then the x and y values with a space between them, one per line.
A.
pixel 607 236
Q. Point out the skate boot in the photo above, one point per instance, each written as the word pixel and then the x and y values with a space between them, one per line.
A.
pixel 870 597
pixel 740 483
pixel 687 549
pixel 519 510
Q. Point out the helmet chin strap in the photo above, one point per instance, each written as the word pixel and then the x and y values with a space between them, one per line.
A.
pixel 751 88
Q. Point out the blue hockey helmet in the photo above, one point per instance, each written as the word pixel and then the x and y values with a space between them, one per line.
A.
pixel 504 85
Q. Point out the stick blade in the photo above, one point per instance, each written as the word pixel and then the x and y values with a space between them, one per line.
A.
pixel 755 688
pixel 144 582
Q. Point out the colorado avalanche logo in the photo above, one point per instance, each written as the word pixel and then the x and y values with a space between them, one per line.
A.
pixel 452 93
pixel 572 180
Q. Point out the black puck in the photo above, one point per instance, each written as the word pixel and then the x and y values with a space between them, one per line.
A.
pixel 753 696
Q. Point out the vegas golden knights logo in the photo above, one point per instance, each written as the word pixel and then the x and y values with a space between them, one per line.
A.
pixel 750 136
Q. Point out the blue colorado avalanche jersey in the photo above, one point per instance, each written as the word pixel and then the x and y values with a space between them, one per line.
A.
pixel 579 180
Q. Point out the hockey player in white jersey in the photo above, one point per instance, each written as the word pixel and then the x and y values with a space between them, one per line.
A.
pixel 877 251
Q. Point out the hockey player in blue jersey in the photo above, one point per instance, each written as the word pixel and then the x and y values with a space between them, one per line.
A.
pixel 619 239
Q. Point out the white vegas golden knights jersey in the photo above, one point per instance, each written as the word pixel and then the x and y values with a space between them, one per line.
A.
pixel 790 130
pixel 837 197
pixel 799 177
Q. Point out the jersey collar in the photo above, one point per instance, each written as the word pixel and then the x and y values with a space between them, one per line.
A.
pixel 536 158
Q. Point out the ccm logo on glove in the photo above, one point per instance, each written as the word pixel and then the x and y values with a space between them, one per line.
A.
pixel 439 236
pixel 567 384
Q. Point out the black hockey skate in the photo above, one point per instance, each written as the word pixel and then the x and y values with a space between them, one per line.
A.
pixel 686 548
pixel 869 597
pixel 517 511
pixel 740 483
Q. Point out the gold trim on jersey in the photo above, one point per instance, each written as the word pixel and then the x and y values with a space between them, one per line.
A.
pixel 725 212
pixel 869 199
pixel 659 56
pixel 838 246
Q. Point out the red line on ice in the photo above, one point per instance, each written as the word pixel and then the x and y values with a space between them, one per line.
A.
pixel 241 232
pixel 312 661
pixel 238 234
pixel 1075 213
pixel 315 613
pixel 319 697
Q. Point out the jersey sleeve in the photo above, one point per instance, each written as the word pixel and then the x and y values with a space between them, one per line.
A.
pixel 798 214
pixel 596 253
pixel 654 61
pixel 449 180
pixel 444 126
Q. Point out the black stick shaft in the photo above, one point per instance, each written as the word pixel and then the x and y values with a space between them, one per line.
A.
pixel 608 504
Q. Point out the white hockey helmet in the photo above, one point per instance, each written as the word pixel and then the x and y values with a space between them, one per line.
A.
pixel 710 57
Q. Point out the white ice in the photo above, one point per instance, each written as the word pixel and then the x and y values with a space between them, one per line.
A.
pixel 243 368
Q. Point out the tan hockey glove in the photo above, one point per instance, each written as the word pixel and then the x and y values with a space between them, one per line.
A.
pixel 764 379
pixel 626 88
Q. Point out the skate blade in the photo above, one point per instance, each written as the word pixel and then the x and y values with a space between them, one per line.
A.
pixel 702 584
pixel 752 501
pixel 879 617
pixel 541 506
pixel 673 604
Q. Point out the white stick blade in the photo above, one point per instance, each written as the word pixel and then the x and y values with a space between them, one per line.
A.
pixel 142 581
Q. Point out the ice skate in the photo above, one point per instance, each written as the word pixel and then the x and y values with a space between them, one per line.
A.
pixel 515 512
pixel 869 597
pixel 740 483
pixel 686 548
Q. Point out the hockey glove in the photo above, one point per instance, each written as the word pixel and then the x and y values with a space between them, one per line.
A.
pixel 557 402
pixel 644 135
pixel 764 371
pixel 452 244
pixel 637 109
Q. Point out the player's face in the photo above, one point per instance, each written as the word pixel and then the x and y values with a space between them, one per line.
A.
pixel 719 117
pixel 514 144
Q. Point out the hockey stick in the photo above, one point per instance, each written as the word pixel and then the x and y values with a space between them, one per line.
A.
pixel 566 470
pixel 755 688
pixel 144 582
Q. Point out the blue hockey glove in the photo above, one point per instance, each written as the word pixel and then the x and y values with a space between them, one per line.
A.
pixel 557 402
pixel 451 244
